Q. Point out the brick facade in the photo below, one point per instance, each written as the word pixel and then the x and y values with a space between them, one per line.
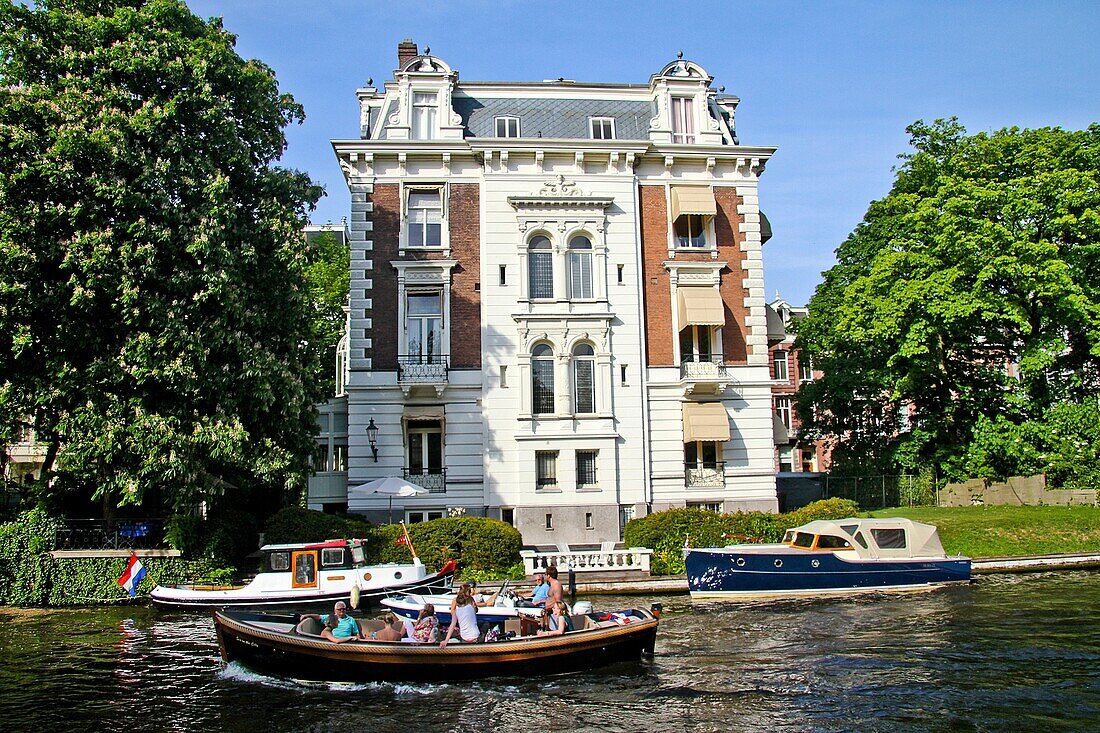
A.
pixel 465 232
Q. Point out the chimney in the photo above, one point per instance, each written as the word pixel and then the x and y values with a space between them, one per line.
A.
pixel 406 50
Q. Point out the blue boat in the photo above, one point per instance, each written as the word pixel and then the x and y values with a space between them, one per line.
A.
pixel 827 558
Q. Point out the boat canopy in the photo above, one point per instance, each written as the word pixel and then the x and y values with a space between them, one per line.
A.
pixel 874 538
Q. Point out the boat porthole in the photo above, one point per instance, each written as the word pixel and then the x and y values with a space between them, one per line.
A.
pixel 816 563
pixel 366 577
pixel 740 562
pixel 397 575
pixel 778 563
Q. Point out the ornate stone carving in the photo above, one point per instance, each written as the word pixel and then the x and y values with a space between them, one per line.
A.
pixel 559 187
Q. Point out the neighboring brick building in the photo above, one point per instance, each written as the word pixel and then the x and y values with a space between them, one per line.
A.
pixel 790 370
pixel 557 311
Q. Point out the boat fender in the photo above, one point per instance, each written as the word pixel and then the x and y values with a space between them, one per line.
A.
pixel 355 592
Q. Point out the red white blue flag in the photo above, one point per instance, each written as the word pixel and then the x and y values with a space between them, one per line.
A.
pixel 132 576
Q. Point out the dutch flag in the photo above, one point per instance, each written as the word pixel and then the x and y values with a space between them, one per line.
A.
pixel 133 575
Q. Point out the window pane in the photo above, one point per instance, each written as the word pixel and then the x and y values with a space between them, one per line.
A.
pixel 689 231
pixel 542 388
pixel 889 539
pixel 586 394
pixel 424 304
pixel 586 468
pixel 546 469
pixel 580 274
pixel 683 123
pixel 541 280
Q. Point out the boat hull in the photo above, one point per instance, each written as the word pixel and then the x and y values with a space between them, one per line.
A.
pixel 313 601
pixel 730 573
pixel 286 654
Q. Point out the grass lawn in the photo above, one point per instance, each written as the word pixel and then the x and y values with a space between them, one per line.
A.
pixel 993 531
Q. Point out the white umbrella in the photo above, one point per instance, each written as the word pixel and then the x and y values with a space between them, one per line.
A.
pixel 390 486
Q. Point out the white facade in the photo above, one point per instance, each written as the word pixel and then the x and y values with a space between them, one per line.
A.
pixel 547 264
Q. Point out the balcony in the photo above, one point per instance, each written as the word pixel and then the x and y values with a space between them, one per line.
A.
pixel 432 479
pixel 427 370
pixel 703 374
pixel 102 534
pixel 705 475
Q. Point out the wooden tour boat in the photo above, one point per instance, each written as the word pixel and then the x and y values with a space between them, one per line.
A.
pixel 275 644
pixel 827 558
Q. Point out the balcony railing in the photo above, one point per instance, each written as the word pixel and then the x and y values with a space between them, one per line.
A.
pixel 706 474
pixel 422 368
pixel 118 534
pixel 702 366
pixel 432 479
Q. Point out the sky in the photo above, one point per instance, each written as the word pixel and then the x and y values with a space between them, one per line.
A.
pixel 832 85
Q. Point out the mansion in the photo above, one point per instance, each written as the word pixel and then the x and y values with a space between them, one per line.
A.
pixel 557 314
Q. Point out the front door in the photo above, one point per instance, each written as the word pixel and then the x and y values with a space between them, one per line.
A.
pixel 304 565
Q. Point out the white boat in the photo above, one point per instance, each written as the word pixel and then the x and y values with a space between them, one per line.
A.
pixel 827 558
pixel 506 606
pixel 312 577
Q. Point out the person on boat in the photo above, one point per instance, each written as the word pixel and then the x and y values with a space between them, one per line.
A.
pixel 483 599
pixel 541 591
pixel 557 620
pixel 339 626
pixel 426 628
pixel 463 617
pixel 393 630
pixel 554 595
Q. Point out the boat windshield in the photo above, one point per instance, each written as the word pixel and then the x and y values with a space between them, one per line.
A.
pixel 788 537
pixel 358 556
pixel 831 542
pixel 803 539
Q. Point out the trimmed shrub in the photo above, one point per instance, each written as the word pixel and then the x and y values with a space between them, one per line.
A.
pixel 295 524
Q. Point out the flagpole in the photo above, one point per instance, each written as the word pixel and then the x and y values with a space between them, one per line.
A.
pixel 408 540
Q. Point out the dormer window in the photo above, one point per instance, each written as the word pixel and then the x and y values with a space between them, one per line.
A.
pixel 424 122
pixel 507 126
pixel 601 128
pixel 683 120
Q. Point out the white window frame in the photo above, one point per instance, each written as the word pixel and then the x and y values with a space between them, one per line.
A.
pixel 576 257
pixel 546 252
pixel 780 365
pixel 708 506
pixel 783 409
pixel 550 485
pixel 706 233
pixel 511 125
pixel 681 112
pixel 415 516
pixel 805 368
pixel 424 115
pixel 407 211
pixel 423 320
pixel 543 359
pixel 424 428
pixel 603 124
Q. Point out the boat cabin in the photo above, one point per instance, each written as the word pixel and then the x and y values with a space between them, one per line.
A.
pixel 867 538
pixel 304 560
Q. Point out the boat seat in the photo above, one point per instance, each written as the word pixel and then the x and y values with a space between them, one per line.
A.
pixel 309 626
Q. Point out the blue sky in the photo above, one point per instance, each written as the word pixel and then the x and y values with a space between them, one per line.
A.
pixel 831 84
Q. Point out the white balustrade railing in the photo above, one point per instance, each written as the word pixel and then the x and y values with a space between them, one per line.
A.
pixel 588 561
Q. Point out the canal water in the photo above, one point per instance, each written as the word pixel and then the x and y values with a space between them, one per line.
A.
pixel 1007 653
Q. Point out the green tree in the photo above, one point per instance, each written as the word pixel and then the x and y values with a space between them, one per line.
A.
pixel 970 292
pixel 155 318
pixel 330 282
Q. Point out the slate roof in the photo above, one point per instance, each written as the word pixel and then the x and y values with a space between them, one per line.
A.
pixel 554 118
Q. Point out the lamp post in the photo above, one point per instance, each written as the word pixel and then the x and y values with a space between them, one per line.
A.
pixel 372 438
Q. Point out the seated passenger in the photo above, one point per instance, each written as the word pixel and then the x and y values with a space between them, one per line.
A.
pixel 541 591
pixel 393 630
pixel 426 628
pixel 339 626
pixel 463 617
pixel 557 620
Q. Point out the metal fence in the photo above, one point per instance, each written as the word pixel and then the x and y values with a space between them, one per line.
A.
pixel 880 492
pixel 102 534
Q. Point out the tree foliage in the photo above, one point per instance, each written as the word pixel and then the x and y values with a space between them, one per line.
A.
pixel 330 282
pixel 969 294
pixel 154 312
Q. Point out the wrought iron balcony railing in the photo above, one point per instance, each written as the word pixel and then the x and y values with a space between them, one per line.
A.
pixel 705 474
pixel 422 368
pixel 118 534
pixel 702 366
pixel 432 479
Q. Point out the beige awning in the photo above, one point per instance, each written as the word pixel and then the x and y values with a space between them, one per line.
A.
pixel 780 434
pixel 421 412
pixel 706 421
pixel 700 306
pixel 692 200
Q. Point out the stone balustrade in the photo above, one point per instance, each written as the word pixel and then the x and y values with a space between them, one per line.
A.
pixel 633 559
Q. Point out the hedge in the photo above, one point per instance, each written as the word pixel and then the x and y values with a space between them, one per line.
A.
pixel 666 532
pixel 30 576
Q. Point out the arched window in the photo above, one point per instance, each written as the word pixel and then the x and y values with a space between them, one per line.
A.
pixel 580 267
pixel 540 268
pixel 584 379
pixel 542 380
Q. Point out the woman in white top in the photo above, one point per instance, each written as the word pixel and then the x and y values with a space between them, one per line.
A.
pixel 463 617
